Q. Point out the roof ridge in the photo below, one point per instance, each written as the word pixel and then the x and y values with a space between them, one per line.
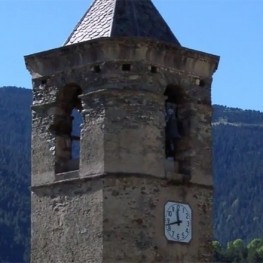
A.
pixel 80 21
pixel 113 16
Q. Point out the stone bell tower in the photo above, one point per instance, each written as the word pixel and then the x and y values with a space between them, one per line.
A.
pixel 139 188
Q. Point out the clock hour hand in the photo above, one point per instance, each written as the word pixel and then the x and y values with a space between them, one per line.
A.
pixel 178 222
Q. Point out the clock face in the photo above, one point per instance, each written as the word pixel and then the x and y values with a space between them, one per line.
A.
pixel 178 222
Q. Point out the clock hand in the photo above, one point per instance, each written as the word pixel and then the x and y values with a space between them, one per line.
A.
pixel 177 216
pixel 178 222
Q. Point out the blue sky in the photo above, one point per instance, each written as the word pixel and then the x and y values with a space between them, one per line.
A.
pixel 232 29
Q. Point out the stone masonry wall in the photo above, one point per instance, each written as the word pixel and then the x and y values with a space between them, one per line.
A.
pixel 111 209
pixel 117 218
pixel 134 220
pixel 67 223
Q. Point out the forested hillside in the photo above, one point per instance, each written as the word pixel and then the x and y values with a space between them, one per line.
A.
pixel 238 174
pixel 15 128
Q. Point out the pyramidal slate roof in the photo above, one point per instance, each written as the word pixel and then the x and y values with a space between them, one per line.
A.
pixel 122 18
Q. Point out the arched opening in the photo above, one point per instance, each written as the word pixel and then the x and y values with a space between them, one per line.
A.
pixel 175 94
pixel 66 127
pixel 75 135
pixel 177 129
pixel 172 129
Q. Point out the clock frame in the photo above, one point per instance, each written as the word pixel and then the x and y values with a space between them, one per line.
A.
pixel 178 222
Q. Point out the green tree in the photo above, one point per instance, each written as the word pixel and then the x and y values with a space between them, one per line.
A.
pixel 218 251
pixel 255 251
pixel 240 251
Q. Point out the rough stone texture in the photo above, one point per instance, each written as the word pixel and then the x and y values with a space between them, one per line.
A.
pixel 67 223
pixel 117 218
pixel 121 18
pixel 121 106
pixel 123 129
pixel 134 220
pixel 124 180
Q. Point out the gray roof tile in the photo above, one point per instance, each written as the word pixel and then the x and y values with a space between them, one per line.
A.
pixel 117 18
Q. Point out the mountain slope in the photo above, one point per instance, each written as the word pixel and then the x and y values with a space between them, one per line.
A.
pixel 238 173
pixel 15 131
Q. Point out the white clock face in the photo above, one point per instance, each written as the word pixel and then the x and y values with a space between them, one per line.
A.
pixel 178 222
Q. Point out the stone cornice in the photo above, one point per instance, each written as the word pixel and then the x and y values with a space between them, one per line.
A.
pixel 123 49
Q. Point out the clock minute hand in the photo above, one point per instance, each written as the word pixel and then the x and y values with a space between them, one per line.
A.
pixel 177 214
